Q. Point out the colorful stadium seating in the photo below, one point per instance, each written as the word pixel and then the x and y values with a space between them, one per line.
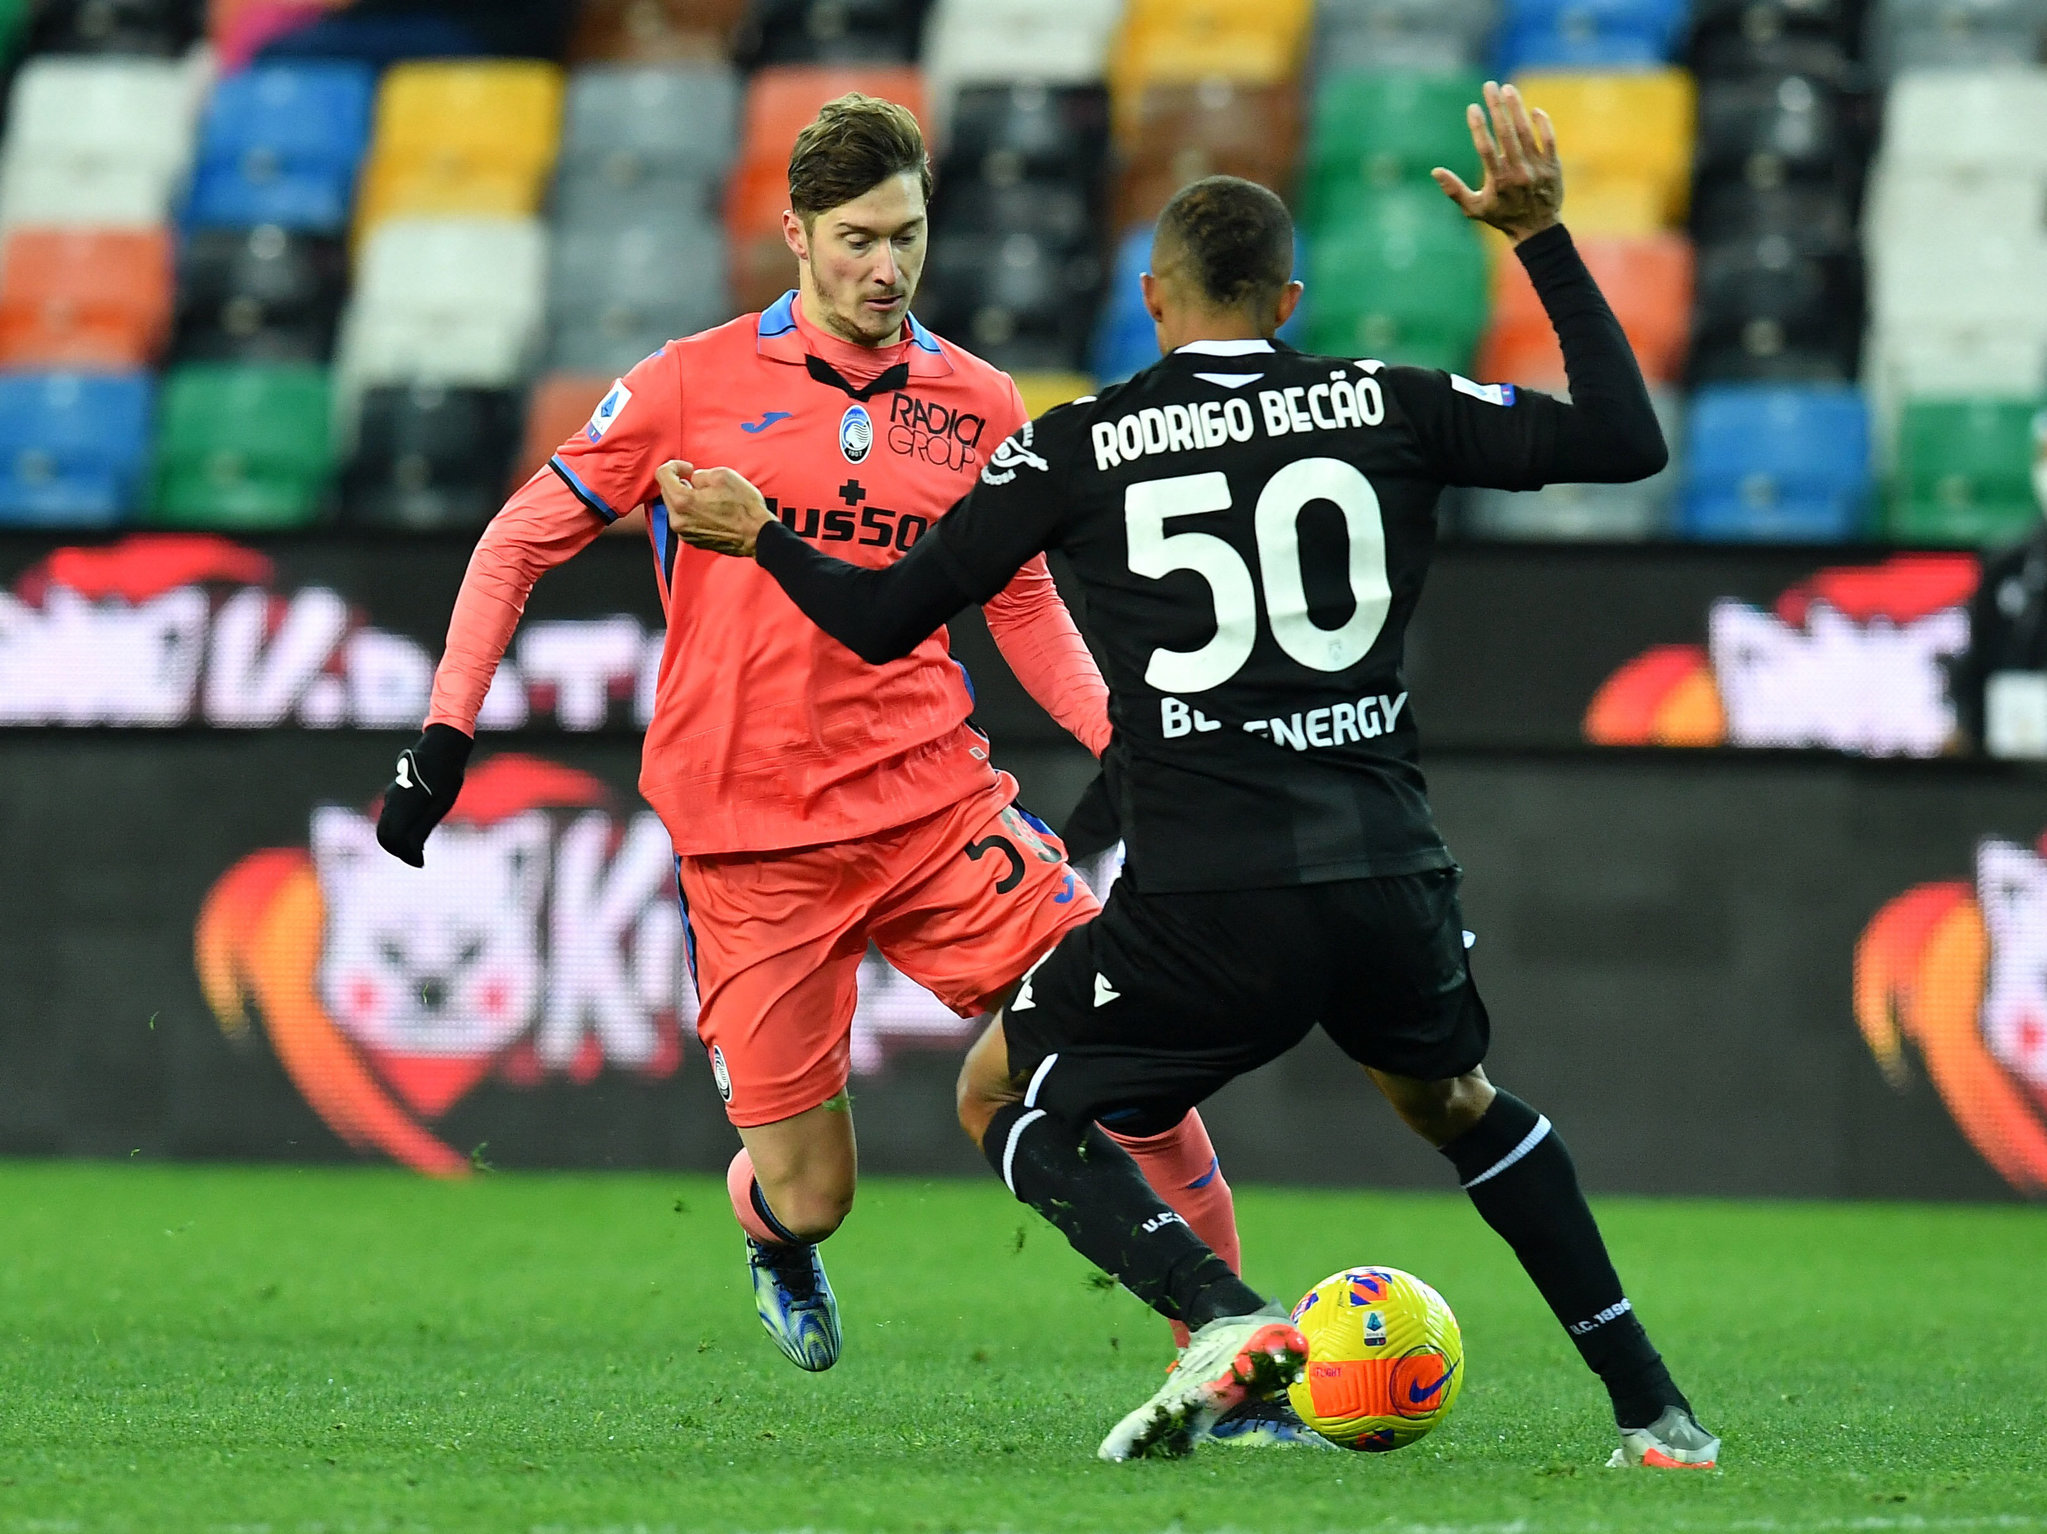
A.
pixel 439 231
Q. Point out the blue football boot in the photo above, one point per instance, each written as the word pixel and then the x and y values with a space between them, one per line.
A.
pixel 795 1302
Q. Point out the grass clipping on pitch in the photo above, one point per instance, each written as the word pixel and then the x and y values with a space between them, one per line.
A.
pixel 311 1352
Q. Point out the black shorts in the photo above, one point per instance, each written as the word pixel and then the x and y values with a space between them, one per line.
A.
pixel 1162 999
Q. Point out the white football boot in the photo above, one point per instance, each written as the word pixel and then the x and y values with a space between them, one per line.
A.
pixel 1227 1362
pixel 1674 1441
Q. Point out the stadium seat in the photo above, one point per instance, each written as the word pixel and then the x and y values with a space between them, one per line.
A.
pixel 1003 134
pixel 96 142
pixel 616 294
pixel 1647 281
pixel 1768 310
pixel 1987 280
pixel 1776 464
pixel 259 295
pixel 1963 472
pixel 1589 34
pixel 632 125
pixel 781 101
pixel 1626 142
pixel 969 43
pixel 1177 133
pixel 476 138
pixel 449 301
pixel 1401 277
pixel 1402 36
pixel 1058 213
pixel 827 32
pixel 73 447
pixel 1015 299
pixel 491 267
pixel 1380 128
pixel 84 298
pixel 1733 38
pixel 1989 123
pixel 1769 129
pixel 96 112
pixel 559 406
pixel 1956 34
pixel 1251 42
pixel 654 31
pixel 131 28
pixel 1818 220
pixel 241 447
pixel 1607 513
pixel 430 457
pixel 279 145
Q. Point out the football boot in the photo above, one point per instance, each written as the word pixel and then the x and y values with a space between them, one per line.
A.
pixel 1674 1441
pixel 1230 1360
pixel 795 1302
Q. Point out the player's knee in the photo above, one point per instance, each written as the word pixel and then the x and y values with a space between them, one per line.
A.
pixel 811 1208
pixel 1440 1111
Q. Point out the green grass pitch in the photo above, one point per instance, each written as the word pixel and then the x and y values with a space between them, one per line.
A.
pixel 317 1351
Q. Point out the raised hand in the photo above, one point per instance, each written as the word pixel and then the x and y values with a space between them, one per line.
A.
pixel 1523 191
pixel 715 509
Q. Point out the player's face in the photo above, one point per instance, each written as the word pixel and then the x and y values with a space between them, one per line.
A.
pixel 861 261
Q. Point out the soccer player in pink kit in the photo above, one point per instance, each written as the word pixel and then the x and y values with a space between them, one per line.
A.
pixel 815 803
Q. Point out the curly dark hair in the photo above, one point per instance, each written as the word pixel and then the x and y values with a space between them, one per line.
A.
pixel 1235 237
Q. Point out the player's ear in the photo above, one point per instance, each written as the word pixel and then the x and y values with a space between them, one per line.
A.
pixel 794 236
pixel 1154 297
pixel 1289 300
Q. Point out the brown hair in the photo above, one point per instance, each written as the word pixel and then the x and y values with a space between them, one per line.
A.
pixel 1236 237
pixel 853 145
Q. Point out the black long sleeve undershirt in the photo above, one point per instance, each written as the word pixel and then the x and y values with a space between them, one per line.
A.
pixel 1608 433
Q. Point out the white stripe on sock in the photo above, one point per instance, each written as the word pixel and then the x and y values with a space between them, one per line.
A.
pixel 1528 1143
pixel 1009 1150
pixel 1038 1079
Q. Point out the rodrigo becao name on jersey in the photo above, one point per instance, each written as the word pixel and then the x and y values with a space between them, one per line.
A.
pixel 1252 526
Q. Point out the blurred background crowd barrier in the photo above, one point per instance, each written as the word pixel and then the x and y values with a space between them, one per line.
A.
pixel 293 291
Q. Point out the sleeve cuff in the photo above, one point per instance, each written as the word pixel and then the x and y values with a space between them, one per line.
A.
pixel 1544 251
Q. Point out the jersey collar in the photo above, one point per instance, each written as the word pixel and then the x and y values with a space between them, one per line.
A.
pixel 779 337
pixel 1224 348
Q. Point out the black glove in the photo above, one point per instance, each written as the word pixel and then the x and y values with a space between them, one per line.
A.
pixel 429 778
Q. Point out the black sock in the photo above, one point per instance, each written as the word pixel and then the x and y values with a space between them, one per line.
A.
pixel 790 1257
pixel 1521 1179
pixel 1087 1185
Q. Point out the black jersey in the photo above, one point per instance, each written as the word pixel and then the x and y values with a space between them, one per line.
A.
pixel 1252 527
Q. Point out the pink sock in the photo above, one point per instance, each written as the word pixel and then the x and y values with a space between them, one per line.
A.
pixel 1182 1168
pixel 739 1187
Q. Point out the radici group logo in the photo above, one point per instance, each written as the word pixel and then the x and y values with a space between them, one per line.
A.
pixel 1956 972
pixel 1853 659
pixel 543 941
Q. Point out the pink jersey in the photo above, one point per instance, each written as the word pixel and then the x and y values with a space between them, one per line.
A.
pixel 767 734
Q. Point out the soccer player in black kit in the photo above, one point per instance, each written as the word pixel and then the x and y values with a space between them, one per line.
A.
pixel 1252 527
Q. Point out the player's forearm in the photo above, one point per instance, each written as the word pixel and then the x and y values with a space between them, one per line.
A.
pixel 880 615
pixel 540 527
pixel 1035 633
pixel 1609 432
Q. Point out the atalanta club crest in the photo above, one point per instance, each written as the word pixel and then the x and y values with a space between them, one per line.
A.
pixel 856 433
